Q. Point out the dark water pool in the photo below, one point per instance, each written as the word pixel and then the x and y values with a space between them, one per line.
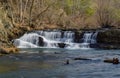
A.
pixel 50 63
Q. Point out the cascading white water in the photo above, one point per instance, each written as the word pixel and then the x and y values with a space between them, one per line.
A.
pixel 89 38
pixel 55 39
pixel 93 39
pixel 67 36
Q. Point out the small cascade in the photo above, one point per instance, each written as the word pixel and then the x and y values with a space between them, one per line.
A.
pixel 63 36
pixel 55 39
pixel 94 38
pixel 89 38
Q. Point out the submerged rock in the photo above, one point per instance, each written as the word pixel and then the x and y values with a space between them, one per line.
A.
pixel 79 58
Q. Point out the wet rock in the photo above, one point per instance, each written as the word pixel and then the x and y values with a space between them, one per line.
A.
pixel 114 61
pixel 78 36
pixel 57 52
pixel 61 45
pixel 94 45
pixel 109 39
pixel 109 46
pixel 67 62
pixel 79 58
pixel 62 34
pixel 41 41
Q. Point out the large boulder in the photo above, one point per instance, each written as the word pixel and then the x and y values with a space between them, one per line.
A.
pixel 111 36
pixel 109 39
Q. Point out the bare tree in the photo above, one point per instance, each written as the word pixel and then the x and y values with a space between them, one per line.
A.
pixel 104 13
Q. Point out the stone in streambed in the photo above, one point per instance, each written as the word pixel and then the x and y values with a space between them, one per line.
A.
pixel 67 62
pixel 61 45
pixel 114 61
pixel 79 58
pixel 41 41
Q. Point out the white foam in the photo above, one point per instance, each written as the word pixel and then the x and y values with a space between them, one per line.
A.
pixel 52 38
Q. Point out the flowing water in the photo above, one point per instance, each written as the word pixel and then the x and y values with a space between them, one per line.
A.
pixel 43 54
pixel 50 63
pixel 56 39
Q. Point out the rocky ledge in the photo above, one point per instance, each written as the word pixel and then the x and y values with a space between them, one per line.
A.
pixel 106 39
pixel 109 39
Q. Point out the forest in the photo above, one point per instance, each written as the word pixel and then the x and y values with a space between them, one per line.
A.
pixel 62 13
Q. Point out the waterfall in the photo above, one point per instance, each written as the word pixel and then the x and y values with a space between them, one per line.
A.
pixel 89 38
pixel 55 39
